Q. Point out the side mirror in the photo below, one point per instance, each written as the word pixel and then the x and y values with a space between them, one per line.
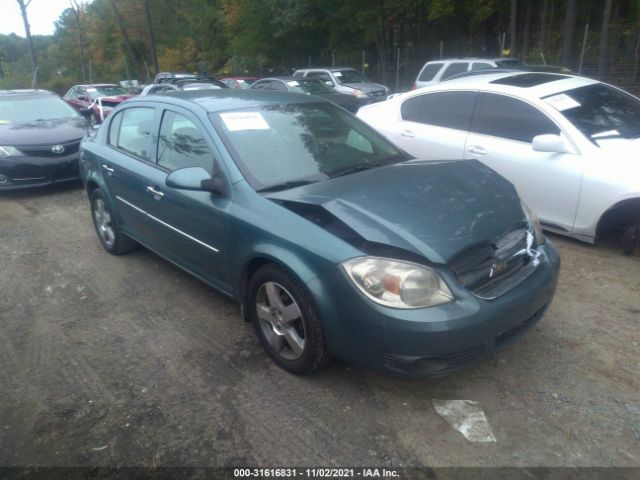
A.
pixel 82 97
pixel 195 178
pixel 550 144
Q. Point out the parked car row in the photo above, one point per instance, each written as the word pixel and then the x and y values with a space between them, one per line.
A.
pixel 395 239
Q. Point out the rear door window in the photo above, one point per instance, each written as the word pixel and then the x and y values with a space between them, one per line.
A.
pixel 429 71
pixel 454 69
pixel 442 109
pixel 510 118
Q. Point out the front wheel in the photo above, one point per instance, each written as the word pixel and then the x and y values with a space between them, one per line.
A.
pixel 286 320
pixel 107 228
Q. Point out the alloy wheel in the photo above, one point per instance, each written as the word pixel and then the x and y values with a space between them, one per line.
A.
pixel 103 222
pixel 281 321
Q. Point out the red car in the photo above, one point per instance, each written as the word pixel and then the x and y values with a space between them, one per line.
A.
pixel 101 98
pixel 239 82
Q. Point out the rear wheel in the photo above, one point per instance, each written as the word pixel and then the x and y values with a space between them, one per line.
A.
pixel 109 233
pixel 286 320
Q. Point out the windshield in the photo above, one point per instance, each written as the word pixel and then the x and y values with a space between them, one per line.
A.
pixel 301 143
pixel 107 91
pixel 600 111
pixel 23 109
pixel 313 87
pixel 349 76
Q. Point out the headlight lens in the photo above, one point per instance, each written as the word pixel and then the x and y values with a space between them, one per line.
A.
pixel 6 151
pixel 398 284
pixel 359 93
pixel 534 221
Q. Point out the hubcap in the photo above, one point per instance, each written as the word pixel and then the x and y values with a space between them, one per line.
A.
pixel 103 222
pixel 281 320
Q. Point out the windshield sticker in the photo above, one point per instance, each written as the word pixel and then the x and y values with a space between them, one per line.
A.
pixel 337 74
pixel 237 121
pixel 91 90
pixel 562 102
pixel 293 84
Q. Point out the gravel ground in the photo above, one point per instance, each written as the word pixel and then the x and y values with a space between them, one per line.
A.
pixel 123 361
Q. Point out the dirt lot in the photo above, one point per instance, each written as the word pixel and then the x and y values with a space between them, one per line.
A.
pixel 129 361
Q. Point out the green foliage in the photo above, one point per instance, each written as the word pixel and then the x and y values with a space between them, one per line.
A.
pixel 272 36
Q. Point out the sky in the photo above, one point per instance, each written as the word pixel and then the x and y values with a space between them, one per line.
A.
pixel 42 14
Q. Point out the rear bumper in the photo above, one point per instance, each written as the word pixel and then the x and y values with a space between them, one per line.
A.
pixel 25 172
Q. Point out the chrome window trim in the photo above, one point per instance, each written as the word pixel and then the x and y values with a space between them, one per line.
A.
pixel 167 225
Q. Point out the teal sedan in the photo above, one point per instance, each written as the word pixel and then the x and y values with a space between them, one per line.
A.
pixel 334 242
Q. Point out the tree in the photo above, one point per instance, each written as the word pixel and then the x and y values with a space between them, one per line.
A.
pixel 513 22
pixel 76 12
pixel 604 34
pixel 27 30
pixel 569 29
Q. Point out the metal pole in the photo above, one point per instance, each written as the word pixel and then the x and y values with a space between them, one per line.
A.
pixel 441 47
pixel 90 73
pixel 398 70
pixel 584 46
pixel 333 60
pixel 363 62
pixel 309 61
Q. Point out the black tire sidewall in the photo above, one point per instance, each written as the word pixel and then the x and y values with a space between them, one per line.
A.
pixel 315 346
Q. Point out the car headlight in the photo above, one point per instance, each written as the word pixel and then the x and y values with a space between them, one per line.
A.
pixel 6 151
pixel 396 283
pixel 534 221
pixel 359 93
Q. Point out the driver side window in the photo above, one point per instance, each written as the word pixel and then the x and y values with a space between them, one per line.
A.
pixel 182 144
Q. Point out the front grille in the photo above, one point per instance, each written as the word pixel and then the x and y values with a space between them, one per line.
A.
pixel 46 150
pixel 493 269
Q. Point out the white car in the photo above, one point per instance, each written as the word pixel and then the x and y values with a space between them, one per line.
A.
pixel 570 145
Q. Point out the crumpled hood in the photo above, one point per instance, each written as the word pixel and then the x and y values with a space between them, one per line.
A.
pixel 434 209
pixel 367 87
pixel 43 132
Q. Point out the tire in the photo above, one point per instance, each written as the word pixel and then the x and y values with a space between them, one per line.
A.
pixel 286 320
pixel 631 239
pixel 109 233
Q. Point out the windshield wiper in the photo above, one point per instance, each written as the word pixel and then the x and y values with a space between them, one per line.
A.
pixel 285 185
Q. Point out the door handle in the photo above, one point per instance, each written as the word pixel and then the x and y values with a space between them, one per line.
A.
pixel 477 150
pixel 156 193
pixel 407 133
pixel 107 168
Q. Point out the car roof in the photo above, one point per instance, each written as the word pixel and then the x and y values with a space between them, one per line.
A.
pixel 227 98
pixel 539 84
pixel 25 91
pixel 287 78
pixel 333 69
pixel 90 85
pixel 241 78
pixel 473 59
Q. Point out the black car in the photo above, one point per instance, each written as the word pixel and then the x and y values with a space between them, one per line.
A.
pixel 40 137
pixel 309 86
